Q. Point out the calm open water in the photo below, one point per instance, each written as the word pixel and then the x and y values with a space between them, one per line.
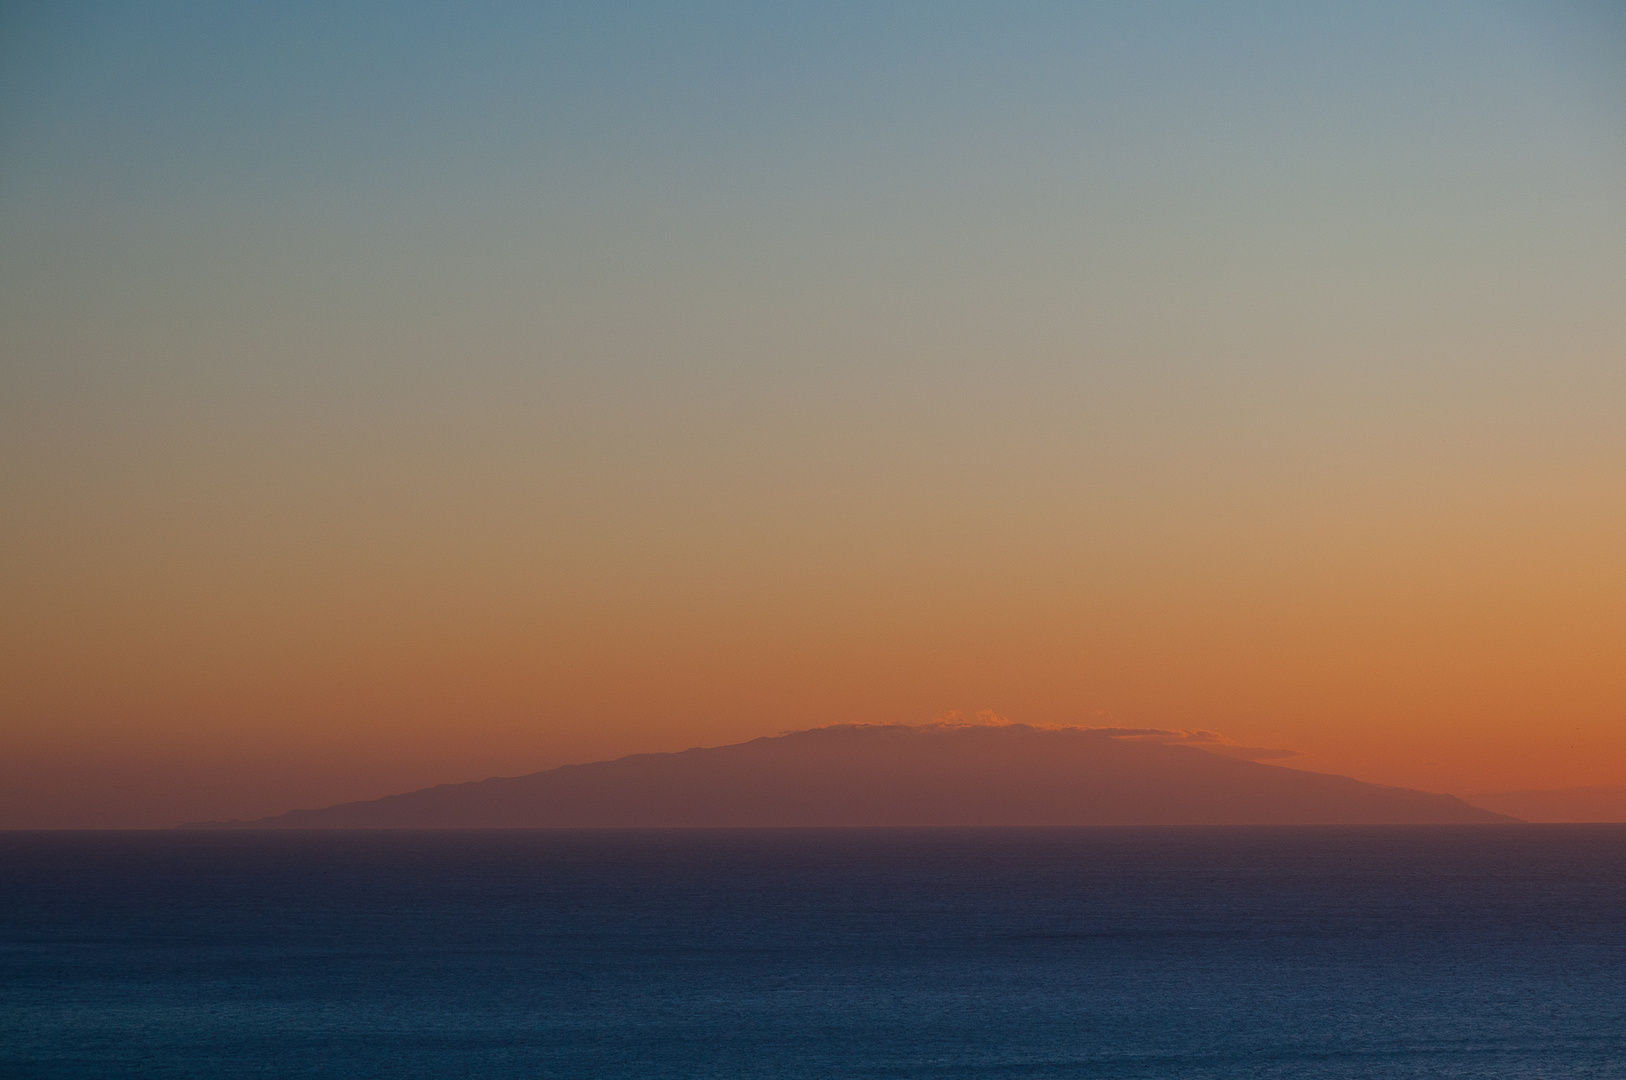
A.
pixel 1477 952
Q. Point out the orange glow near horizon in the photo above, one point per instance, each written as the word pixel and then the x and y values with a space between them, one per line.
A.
pixel 1477 662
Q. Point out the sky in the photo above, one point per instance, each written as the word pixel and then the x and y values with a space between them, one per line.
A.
pixel 397 394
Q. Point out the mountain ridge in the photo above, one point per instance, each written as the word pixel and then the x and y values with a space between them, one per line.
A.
pixel 900 775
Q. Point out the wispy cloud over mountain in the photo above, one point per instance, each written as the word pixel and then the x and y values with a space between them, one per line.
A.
pixel 1211 741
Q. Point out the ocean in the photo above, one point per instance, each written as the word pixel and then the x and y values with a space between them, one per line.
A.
pixel 1432 951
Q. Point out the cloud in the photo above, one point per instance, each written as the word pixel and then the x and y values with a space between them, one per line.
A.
pixel 1211 741
pixel 984 718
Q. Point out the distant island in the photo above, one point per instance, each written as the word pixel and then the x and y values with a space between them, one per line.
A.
pixel 896 775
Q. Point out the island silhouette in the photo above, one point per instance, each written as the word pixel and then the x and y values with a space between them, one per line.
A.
pixel 902 775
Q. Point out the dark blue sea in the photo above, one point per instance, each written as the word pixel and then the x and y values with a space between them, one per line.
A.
pixel 1483 952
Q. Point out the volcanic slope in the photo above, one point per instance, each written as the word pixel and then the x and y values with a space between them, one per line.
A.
pixel 873 775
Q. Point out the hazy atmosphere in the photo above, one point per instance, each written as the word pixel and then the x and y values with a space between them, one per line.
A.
pixel 410 394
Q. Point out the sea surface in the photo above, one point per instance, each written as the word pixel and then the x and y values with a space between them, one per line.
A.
pixel 1473 951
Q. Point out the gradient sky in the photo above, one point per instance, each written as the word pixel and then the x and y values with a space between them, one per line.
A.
pixel 393 394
